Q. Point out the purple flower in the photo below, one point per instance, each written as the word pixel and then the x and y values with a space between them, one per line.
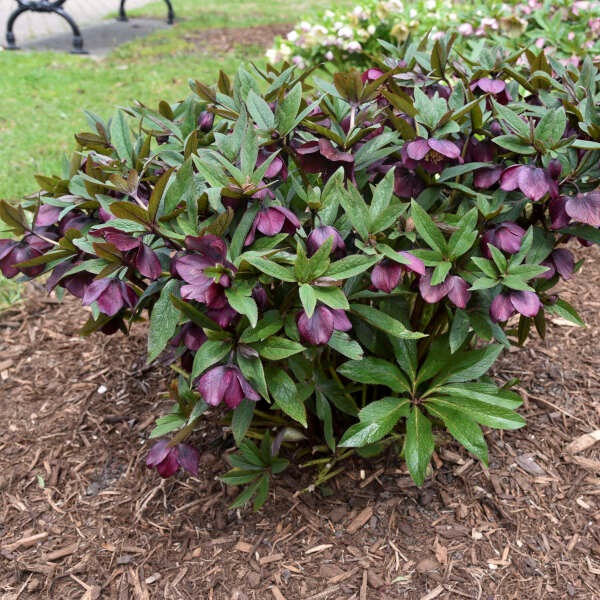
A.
pixel 205 121
pixel 558 214
pixel 506 236
pixel 505 305
pixel 495 87
pixel 584 208
pixel 272 220
pixel 136 252
pixel 206 272
pixel 455 287
pixel 226 383
pixel 319 235
pixel 387 274
pixel 110 294
pixel 47 215
pixel 167 459
pixel 76 284
pixel 323 157
pixel 534 182
pixel 191 335
pixel 432 154
pixel 561 261
pixel 13 252
pixel 318 329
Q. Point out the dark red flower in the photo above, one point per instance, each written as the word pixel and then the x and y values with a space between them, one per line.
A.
pixel 387 274
pixel 206 271
pixel 495 87
pixel 505 305
pixel 323 157
pixel 506 236
pixel 110 294
pixel 455 287
pixel 136 252
pixel 534 182
pixel 272 220
pixel 584 208
pixel 13 252
pixel 167 459
pixel 226 383
pixel 319 235
pixel 561 261
pixel 318 329
pixel 432 155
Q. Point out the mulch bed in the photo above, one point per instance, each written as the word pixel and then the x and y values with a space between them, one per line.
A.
pixel 81 516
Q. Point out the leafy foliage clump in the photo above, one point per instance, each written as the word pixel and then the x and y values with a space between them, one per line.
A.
pixel 336 266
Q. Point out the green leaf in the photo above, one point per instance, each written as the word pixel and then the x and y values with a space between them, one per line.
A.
pixel 241 300
pixel 345 345
pixel 242 230
pixel 195 315
pixel 210 353
pixel 383 321
pixel 308 298
pixel 333 297
pixel 484 392
pixel 278 348
pixel 586 232
pixel 120 137
pixel 483 413
pixel 167 424
pixel 551 127
pixel 260 111
pixel 382 196
pixel 566 311
pixel 288 109
pixel 253 370
pixel 356 210
pixel 270 323
pixel 324 414
pixel 350 266
pixel 241 419
pixel 459 330
pixel 262 492
pixel 180 189
pixel 427 229
pixel 464 430
pixel 163 320
pixel 285 395
pixel 512 119
pixel 375 371
pixel 514 144
pixel 473 364
pixel 269 267
pixel 418 445
pixel 377 419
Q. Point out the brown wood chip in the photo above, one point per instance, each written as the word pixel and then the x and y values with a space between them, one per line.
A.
pixel 583 442
pixel 361 519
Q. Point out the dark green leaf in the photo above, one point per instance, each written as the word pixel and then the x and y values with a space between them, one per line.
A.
pixel 419 445
pixel 163 320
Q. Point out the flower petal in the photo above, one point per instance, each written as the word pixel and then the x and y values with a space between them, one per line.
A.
pixel 213 385
pixel 527 303
pixel 501 309
pixel 533 182
pixel 417 149
pixel 157 453
pixel 445 148
pixel 585 208
pixel 317 329
pixel 459 293
pixel 188 458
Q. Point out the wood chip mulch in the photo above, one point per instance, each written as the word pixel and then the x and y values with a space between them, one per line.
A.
pixel 81 516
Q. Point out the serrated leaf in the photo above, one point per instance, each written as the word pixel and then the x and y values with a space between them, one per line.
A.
pixel 418 445
pixel 375 371
pixel 210 353
pixel 278 348
pixel 163 320
pixel 285 395
pixel 241 419
pixel 385 322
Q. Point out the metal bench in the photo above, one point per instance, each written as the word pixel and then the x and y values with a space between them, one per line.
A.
pixel 56 6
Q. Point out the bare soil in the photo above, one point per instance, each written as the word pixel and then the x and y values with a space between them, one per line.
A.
pixel 81 516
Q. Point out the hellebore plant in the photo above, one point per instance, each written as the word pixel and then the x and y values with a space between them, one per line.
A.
pixel 330 266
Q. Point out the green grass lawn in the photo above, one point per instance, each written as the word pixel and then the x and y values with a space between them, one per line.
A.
pixel 44 93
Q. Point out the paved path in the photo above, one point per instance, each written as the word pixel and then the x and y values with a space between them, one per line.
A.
pixel 41 25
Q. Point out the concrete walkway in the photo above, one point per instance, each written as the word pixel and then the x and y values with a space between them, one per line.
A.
pixel 37 25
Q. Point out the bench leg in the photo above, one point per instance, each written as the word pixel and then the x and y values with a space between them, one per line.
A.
pixel 171 12
pixel 10 36
pixel 122 16
pixel 77 38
